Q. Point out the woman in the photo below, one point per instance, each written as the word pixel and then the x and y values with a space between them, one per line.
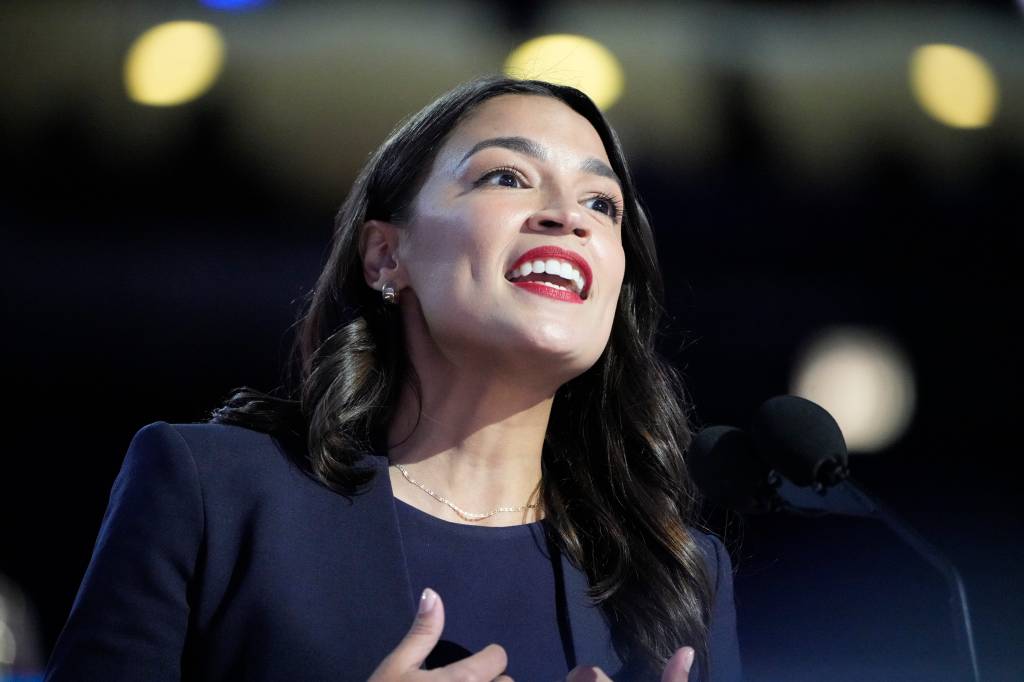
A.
pixel 478 409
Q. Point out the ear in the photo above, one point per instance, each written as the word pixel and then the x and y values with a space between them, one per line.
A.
pixel 378 248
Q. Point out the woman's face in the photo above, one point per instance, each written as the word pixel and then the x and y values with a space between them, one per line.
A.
pixel 521 172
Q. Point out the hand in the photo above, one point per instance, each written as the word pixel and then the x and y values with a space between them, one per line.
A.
pixel 677 669
pixel 404 661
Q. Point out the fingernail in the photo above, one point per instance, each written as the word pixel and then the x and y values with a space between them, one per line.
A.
pixel 687 658
pixel 427 601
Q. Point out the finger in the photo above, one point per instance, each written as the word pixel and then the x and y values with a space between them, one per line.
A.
pixel 678 667
pixel 486 664
pixel 587 673
pixel 422 636
pixel 504 678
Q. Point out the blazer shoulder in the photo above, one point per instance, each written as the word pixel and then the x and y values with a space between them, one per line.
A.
pixel 723 639
pixel 220 442
pixel 716 557
pixel 239 463
pixel 233 460
pixel 224 435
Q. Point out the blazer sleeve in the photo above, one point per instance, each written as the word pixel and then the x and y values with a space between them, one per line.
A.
pixel 723 640
pixel 130 617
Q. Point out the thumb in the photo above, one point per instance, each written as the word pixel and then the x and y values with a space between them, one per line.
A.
pixel 422 636
pixel 678 667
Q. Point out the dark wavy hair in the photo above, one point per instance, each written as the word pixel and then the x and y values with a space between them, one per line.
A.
pixel 615 488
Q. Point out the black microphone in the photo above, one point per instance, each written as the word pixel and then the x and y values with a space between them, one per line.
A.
pixel 801 440
pixel 727 474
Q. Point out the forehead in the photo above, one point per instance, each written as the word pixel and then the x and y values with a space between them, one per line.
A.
pixel 544 120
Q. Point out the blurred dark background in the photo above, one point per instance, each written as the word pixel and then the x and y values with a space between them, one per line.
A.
pixel 801 179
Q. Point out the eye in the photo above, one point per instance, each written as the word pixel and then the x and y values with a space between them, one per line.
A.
pixel 607 204
pixel 506 176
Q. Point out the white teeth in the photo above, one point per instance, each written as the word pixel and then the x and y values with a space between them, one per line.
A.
pixel 554 267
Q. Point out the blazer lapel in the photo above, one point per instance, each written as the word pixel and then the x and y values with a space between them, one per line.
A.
pixel 375 513
pixel 587 623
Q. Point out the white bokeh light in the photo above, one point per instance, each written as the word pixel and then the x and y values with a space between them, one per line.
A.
pixel 864 380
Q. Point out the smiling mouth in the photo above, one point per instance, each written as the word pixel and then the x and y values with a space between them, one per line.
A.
pixel 552 268
pixel 552 272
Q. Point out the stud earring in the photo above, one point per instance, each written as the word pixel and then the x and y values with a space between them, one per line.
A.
pixel 389 294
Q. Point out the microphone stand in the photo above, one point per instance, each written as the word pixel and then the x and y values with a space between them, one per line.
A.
pixel 847 498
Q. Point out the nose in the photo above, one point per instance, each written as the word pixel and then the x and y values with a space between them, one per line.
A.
pixel 559 220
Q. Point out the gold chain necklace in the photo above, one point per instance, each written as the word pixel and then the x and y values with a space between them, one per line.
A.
pixel 469 516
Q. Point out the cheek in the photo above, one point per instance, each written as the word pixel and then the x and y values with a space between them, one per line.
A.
pixel 614 257
pixel 463 246
pixel 615 275
pixel 446 264
pixel 619 265
pixel 435 244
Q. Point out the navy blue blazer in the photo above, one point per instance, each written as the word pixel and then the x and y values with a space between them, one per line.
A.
pixel 220 558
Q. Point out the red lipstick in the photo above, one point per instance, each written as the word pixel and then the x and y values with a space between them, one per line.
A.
pixel 545 290
pixel 545 252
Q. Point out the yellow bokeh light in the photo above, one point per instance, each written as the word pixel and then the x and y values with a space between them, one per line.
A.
pixel 954 86
pixel 573 60
pixel 173 63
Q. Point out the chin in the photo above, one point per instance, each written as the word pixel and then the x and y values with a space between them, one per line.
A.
pixel 558 350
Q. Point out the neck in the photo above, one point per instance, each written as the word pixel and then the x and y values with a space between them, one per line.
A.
pixel 473 439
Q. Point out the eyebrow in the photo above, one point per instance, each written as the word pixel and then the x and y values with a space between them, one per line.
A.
pixel 530 148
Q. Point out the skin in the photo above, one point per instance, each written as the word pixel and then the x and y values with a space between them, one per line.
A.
pixel 490 355
pixel 403 663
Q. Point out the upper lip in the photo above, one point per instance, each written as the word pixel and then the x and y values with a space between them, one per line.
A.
pixel 542 252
